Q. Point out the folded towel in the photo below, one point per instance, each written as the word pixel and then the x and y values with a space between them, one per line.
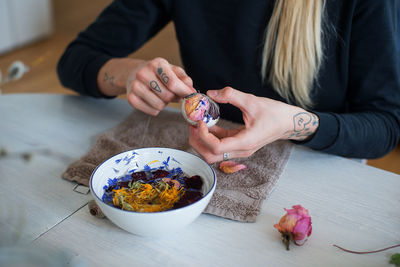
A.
pixel 238 196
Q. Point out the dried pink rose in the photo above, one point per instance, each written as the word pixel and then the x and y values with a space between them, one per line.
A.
pixel 295 226
pixel 231 166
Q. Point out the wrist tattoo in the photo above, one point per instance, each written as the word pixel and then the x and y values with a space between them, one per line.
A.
pixel 108 78
pixel 154 85
pixel 304 125
pixel 163 75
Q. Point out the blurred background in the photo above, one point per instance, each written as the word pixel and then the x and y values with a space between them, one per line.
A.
pixel 47 27
pixel 36 32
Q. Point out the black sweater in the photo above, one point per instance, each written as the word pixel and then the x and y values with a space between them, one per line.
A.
pixel 356 96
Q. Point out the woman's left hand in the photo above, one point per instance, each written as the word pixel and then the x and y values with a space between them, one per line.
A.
pixel 265 121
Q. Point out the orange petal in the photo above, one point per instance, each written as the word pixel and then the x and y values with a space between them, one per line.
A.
pixel 231 166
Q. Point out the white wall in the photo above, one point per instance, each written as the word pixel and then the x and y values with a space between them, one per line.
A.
pixel 23 21
pixel 5 34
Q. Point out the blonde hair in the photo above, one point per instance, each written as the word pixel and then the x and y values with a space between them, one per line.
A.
pixel 293 50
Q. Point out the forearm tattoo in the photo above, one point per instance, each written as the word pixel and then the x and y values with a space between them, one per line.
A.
pixel 154 85
pixel 304 125
pixel 108 78
pixel 163 75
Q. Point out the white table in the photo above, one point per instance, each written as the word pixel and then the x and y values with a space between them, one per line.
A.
pixel 351 204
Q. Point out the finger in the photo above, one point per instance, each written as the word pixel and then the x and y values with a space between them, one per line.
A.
pixel 208 139
pixel 200 148
pixel 237 142
pixel 142 91
pixel 179 71
pixel 231 96
pixel 141 105
pixel 218 131
pixel 235 155
pixel 169 78
pixel 207 154
pixel 176 99
pixel 147 77
pixel 181 74
pixel 222 132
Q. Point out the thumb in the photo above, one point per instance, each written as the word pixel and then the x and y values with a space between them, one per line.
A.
pixel 230 96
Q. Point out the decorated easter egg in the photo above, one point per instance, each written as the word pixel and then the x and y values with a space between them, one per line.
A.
pixel 199 107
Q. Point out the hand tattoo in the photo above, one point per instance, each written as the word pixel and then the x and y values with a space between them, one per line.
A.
pixel 108 78
pixel 304 125
pixel 301 120
pixel 154 85
pixel 163 75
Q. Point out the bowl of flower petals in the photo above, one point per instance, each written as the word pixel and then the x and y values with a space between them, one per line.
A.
pixel 153 191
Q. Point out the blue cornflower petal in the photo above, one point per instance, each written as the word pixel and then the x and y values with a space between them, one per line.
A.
pixel 165 162
pixel 125 178
pixel 173 159
pixel 147 168
pixel 208 118
pixel 112 181
pixel 129 159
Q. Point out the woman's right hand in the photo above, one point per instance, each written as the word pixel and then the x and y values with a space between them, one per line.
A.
pixel 153 84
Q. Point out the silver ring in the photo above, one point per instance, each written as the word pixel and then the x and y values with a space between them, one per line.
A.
pixel 226 156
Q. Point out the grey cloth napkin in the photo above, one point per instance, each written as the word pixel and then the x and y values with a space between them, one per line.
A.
pixel 238 196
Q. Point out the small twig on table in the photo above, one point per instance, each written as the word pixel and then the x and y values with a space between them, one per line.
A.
pixel 366 252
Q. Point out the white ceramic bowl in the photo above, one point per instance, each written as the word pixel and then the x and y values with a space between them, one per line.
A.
pixel 155 223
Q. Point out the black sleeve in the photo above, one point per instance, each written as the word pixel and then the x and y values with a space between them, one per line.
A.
pixel 120 29
pixel 371 127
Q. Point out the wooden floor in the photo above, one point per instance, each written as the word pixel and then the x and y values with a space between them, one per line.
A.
pixel 70 17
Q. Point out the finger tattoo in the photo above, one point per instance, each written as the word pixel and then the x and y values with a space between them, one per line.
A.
pixel 163 75
pixel 109 78
pixel 154 85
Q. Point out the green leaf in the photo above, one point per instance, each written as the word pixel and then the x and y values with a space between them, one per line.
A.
pixel 127 206
pixel 136 185
pixel 395 259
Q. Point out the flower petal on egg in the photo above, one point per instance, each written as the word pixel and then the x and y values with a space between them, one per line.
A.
pixel 231 166
pixel 196 107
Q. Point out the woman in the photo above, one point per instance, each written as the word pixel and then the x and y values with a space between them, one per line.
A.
pixel 321 73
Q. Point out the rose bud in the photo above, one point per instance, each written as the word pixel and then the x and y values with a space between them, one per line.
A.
pixel 295 226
